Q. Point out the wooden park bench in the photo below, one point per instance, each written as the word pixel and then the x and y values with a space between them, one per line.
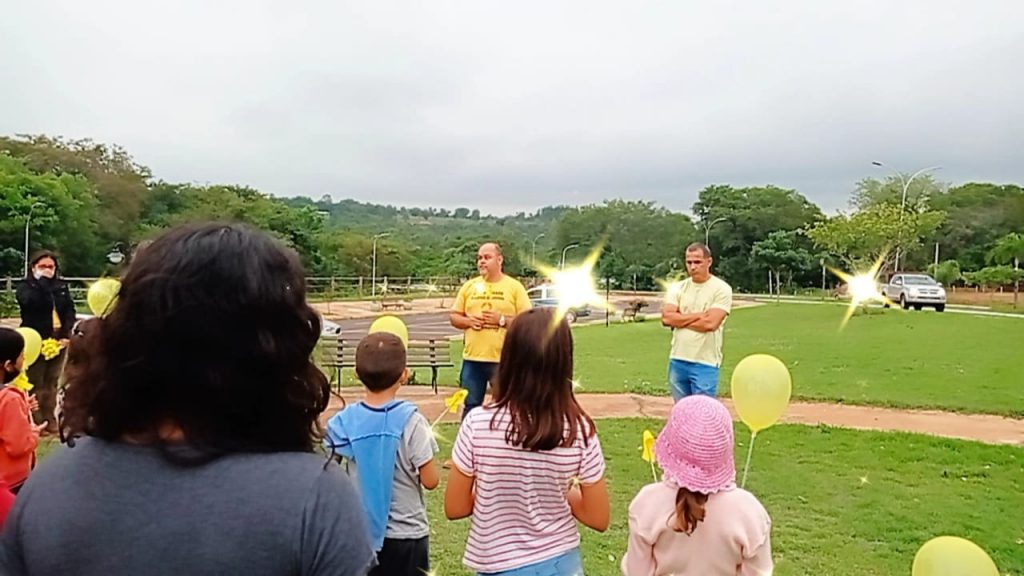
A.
pixel 339 353
pixel 395 303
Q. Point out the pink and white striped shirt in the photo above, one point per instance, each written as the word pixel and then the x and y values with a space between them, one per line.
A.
pixel 520 512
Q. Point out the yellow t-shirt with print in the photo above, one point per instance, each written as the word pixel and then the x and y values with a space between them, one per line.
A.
pixel 506 296
pixel 691 298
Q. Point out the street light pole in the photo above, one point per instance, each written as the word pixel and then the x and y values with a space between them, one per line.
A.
pixel 564 250
pixel 373 272
pixel 533 262
pixel 822 278
pixel 707 229
pixel 28 223
pixel 903 204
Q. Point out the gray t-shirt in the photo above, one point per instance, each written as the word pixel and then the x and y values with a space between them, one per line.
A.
pixel 105 509
pixel 407 519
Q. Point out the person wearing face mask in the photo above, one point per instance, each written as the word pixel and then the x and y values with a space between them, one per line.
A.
pixel 46 307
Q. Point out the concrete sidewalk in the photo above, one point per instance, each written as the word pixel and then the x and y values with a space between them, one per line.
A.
pixel 978 427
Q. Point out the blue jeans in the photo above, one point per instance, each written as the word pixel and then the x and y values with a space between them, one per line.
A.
pixel 689 378
pixel 474 377
pixel 567 564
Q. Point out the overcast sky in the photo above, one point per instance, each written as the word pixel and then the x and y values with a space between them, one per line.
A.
pixel 508 106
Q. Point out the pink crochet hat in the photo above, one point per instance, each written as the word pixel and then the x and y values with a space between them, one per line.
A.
pixel 695 449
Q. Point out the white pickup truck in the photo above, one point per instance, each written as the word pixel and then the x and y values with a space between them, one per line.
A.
pixel 917 290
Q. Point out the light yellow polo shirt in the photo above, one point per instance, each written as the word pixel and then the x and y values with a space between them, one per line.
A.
pixel 691 298
pixel 506 296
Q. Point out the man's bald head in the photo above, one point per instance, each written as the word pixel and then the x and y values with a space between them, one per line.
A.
pixel 489 261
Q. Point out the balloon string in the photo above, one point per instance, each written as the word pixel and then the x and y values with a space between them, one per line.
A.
pixel 439 418
pixel 653 471
pixel 750 452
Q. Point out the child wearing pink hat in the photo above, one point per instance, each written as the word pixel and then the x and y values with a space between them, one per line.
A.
pixel 697 522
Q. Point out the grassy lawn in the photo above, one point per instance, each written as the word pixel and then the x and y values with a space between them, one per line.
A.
pixel 892 358
pixel 843 502
pixel 826 521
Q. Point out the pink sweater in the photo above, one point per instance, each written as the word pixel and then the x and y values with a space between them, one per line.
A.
pixel 734 539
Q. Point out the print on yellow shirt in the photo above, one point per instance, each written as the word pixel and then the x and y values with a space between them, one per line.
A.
pixel 506 296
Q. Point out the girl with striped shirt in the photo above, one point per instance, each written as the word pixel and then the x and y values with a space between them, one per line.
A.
pixel 528 465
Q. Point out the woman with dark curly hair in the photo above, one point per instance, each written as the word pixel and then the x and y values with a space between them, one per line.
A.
pixel 191 412
pixel 46 307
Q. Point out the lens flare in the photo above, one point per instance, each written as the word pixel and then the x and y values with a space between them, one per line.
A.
pixel 575 286
pixel 863 288
pixel 671 283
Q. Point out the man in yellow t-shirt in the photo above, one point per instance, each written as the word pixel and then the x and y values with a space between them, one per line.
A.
pixel 696 309
pixel 484 308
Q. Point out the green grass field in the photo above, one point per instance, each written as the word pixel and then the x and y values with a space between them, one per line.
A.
pixel 826 521
pixel 892 358
pixel 843 502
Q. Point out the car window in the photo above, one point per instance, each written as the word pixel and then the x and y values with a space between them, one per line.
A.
pixel 920 280
pixel 897 281
pixel 534 293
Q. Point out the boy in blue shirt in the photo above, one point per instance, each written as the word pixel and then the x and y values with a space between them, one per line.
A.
pixel 388 447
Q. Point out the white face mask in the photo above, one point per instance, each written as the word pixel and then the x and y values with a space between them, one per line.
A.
pixel 43 273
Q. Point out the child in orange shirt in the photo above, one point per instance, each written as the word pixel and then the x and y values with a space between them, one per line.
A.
pixel 18 435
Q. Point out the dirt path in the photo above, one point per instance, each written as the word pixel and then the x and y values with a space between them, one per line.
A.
pixel 978 427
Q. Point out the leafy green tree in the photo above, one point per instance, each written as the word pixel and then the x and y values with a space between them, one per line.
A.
pixel 978 215
pixel 782 253
pixel 740 217
pixel 992 277
pixel 947 272
pixel 862 237
pixel 1010 248
pixel 119 183
pixel 638 238
pixel 871 192
pixel 64 215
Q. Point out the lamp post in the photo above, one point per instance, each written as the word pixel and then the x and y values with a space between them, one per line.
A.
pixel 533 261
pixel 564 250
pixel 373 273
pixel 822 262
pixel 28 223
pixel 903 203
pixel 707 229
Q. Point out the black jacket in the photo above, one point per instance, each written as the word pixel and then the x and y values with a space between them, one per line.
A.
pixel 38 299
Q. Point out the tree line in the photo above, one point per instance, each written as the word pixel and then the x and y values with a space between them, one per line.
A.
pixel 87 199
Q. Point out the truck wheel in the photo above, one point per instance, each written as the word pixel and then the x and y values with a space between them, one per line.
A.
pixel 940 307
pixel 903 302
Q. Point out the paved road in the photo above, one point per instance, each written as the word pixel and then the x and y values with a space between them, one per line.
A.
pixel 424 326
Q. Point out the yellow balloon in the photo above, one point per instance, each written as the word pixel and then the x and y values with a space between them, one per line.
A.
pixel 33 344
pixel 102 296
pixel 952 556
pixel 761 386
pixel 393 325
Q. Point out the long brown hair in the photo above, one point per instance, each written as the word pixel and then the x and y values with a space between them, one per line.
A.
pixel 534 382
pixel 689 510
